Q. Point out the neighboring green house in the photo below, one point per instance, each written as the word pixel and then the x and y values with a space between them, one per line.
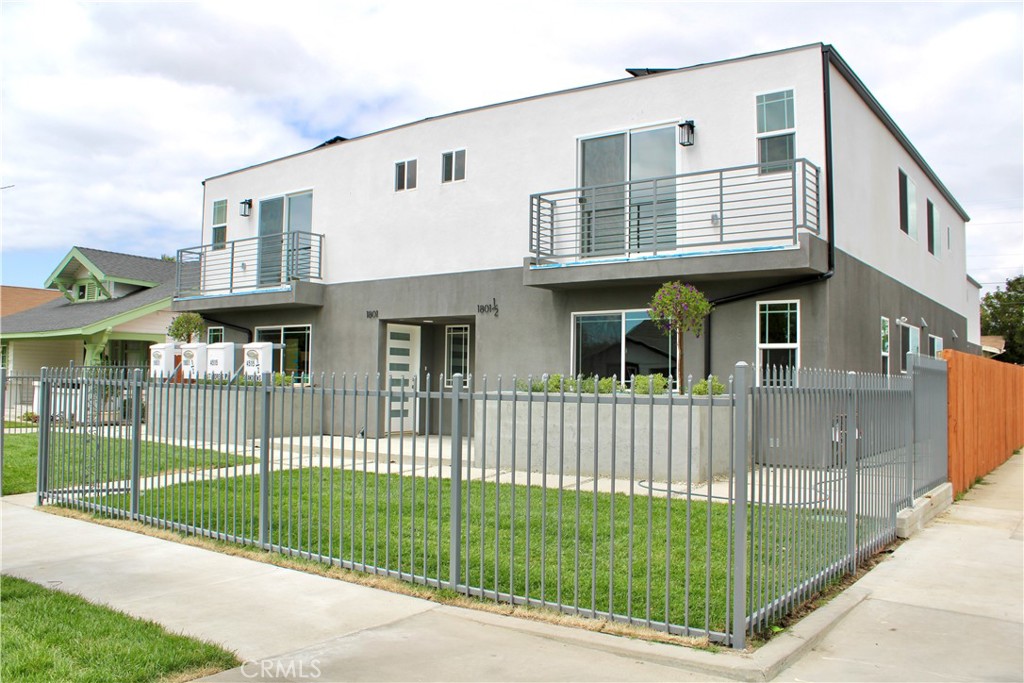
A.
pixel 114 306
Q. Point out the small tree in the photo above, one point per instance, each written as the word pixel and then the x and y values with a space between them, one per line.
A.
pixel 186 327
pixel 679 308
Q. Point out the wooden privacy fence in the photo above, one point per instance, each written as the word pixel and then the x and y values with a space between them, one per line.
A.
pixel 986 415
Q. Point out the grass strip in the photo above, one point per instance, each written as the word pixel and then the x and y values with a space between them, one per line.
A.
pixel 53 636
pixel 83 458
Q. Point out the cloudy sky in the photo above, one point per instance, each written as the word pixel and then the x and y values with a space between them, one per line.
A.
pixel 113 113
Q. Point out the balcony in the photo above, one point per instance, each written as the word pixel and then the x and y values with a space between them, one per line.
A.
pixel 704 225
pixel 269 271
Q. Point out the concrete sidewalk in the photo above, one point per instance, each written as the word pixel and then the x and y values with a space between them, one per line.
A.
pixel 946 606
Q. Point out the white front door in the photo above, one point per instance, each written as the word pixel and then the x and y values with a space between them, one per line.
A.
pixel 403 362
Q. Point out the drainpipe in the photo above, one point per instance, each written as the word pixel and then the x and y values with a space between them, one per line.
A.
pixel 246 330
pixel 826 52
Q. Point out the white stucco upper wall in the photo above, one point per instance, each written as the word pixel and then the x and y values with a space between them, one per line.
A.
pixel 867 159
pixel 513 150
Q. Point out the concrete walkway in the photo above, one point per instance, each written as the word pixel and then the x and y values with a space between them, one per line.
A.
pixel 946 606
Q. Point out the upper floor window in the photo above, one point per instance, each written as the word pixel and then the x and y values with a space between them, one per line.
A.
pixel 405 175
pixel 453 166
pixel 86 291
pixel 908 205
pixel 776 131
pixel 220 223
pixel 933 229
pixel 623 203
pixel 214 335
pixel 934 345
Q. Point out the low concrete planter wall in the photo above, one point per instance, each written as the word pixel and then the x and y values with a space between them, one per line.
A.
pixel 694 439
pixel 229 414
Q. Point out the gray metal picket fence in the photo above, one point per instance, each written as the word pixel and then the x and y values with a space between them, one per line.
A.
pixel 708 516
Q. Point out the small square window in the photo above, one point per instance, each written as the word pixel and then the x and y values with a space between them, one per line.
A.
pixel 775 112
pixel 214 335
pixel 405 175
pixel 453 166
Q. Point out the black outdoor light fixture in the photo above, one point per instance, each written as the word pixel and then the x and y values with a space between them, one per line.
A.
pixel 686 133
pixel 245 207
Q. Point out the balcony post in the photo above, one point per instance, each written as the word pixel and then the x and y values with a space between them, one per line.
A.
pixel 796 239
pixel 656 211
pixel 721 206
pixel 231 273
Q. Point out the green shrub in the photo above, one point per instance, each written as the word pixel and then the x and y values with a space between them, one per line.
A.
pixel 701 387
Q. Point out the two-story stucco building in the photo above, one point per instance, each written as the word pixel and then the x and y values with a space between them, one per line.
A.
pixel 528 236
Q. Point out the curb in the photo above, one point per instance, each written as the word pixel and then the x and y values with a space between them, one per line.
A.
pixel 762 664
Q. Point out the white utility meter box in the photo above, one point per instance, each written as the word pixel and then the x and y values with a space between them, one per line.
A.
pixel 162 359
pixel 258 358
pixel 193 360
pixel 221 360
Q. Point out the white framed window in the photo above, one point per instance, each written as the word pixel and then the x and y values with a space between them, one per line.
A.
pixel 885 345
pixel 621 343
pixel 220 223
pixel 453 166
pixel 910 343
pixel 456 352
pixel 4 357
pixel 933 229
pixel 908 205
pixel 214 335
pixel 405 175
pixel 776 131
pixel 778 339
pixel 294 353
pixel 934 345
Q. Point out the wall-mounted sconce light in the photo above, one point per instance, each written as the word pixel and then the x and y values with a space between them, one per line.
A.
pixel 924 323
pixel 245 207
pixel 902 320
pixel 955 335
pixel 686 133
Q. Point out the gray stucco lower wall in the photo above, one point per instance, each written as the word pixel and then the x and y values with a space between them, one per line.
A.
pixel 521 330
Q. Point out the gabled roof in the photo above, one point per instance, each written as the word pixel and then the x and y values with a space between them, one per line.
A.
pixel 114 267
pixel 63 318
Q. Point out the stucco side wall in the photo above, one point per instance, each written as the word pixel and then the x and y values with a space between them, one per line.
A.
pixel 867 159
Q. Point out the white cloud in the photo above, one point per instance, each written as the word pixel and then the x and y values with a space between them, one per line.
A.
pixel 114 113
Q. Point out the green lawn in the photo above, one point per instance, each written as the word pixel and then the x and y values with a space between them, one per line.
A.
pixel 596 558
pixel 17 424
pixel 52 636
pixel 20 454
pixel 87 458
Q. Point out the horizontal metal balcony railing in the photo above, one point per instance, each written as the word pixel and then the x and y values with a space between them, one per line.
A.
pixel 722 209
pixel 251 264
